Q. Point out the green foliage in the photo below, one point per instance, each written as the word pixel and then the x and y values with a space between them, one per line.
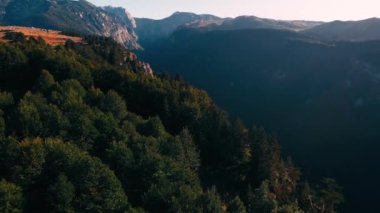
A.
pixel 45 81
pixel 189 154
pixel 85 130
pixel 14 36
pixel 290 208
pixel 61 195
pixel 12 62
pixel 211 201
pixel 330 195
pixel 6 100
pixel 48 167
pixel 11 58
pixel 10 197
pixel 261 199
pixel 2 124
pixel 114 104
pixel 306 197
pixel 187 200
pixel 236 206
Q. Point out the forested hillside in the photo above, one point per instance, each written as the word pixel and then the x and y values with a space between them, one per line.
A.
pixel 83 128
pixel 322 99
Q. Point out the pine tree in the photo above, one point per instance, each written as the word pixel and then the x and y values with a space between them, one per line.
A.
pixel 211 201
pixel 261 200
pixel 189 153
pixel 45 81
pixel 60 195
pixel 236 206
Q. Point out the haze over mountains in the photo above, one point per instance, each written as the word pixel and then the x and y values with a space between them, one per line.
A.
pixel 316 85
pixel 150 30
pixel 85 18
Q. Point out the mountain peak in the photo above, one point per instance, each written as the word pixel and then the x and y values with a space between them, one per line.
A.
pixel 149 29
pixel 181 13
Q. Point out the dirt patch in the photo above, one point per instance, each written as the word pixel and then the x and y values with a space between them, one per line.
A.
pixel 52 37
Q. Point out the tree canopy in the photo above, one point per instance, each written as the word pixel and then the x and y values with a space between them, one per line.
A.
pixel 83 128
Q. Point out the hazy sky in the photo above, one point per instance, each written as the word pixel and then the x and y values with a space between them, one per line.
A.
pixel 324 10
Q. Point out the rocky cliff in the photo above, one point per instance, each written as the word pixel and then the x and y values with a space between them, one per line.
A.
pixel 77 17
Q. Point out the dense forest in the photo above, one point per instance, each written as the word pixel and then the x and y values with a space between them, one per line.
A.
pixel 84 129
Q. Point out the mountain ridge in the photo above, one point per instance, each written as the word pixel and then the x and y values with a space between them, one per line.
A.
pixel 362 30
pixel 83 17
pixel 82 129
pixel 150 30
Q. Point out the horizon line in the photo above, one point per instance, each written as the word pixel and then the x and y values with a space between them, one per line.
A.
pixel 233 17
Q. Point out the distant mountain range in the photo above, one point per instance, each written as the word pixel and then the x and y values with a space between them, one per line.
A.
pixel 150 30
pixel 253 22
pixel 363 30
pixel 82 17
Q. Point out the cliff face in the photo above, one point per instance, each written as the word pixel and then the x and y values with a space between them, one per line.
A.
pixel 125 19
pixel 79 17
pixel 132 60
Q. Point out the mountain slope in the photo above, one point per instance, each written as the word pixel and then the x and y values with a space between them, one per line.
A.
pixel 80 17
pixel 363 30
pixel 82 129
pixel 320 98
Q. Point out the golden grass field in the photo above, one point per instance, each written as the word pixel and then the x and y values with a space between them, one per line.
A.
pixel 51 37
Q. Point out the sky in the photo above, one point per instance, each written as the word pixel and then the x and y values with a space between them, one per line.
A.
pixel 318 10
